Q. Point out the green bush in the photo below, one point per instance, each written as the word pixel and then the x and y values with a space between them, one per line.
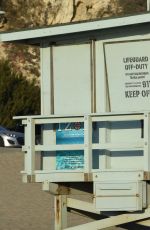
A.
pixel 17 96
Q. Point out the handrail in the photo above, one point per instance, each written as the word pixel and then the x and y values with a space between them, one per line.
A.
pixel 103 142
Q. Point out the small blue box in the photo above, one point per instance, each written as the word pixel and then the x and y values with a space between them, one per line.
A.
pixel 72 159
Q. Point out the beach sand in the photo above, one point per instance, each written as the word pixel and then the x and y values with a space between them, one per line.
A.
pixel 24 206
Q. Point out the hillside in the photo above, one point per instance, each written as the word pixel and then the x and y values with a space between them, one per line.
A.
pixel 27 14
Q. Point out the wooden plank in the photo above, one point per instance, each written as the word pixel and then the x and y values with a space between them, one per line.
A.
pixel 81 205
pixel 148 5
pixel 30 147
pixel 59 177
pixel 58 120
pixel 59 147
pixel 112 221
pixel 46 79
pixel 147 142
pixel 123 117
pixel 87 144
pixel 60 204
pixel 138 145
pixel 119 175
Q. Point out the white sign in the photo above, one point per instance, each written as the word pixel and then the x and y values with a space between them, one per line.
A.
pixel 128 73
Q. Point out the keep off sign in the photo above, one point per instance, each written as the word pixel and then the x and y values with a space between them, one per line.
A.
pixel 128 73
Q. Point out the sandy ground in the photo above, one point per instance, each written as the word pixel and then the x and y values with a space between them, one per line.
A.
pixel 22 206
pixel 26 206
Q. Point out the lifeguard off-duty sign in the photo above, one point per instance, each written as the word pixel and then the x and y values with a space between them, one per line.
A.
pixel 128 73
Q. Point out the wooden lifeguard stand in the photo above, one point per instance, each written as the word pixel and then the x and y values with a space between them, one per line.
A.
pixel 95 76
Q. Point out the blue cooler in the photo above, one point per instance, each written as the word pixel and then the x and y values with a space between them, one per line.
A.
pixel 72 159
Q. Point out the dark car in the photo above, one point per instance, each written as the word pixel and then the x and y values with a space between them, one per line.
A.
pixel 10 138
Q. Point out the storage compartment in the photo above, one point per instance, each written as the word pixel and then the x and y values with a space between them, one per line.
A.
pixel 121 196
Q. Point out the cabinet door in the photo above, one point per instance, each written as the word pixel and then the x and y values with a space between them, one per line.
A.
pixel 120 196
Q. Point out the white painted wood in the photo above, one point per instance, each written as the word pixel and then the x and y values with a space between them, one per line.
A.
pixel 49 154
pixel 104 140
pixel 144 223
pixel 70 29
pixel 94 115
pixel 137 145
pixel 58 147
pixel 55 176
pixel 117 117
pixel 148 5
pixel 121 147
pixel 81 205
pixel 46 79
pixel 66 176
pixel 87 144
pixel 30 143
pixel 48 119
pixel 60 207
pixel 119 175
pixel 101 89
pixel 58 120
pixel 119 195
pixel 112 221
pixel 93 76
pixel 71 72
pixel 147 142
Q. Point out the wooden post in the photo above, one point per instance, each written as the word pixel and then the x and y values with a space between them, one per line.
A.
pixel 60 212
pixel 148 5
pixel 87 144
pixel 146 142
pixel 30 149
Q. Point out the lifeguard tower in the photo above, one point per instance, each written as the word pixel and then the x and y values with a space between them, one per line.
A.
pixel 95 118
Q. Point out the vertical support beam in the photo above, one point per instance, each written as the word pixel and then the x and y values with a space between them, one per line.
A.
pixel 49 138
pixel 148 5
pixel 87 144
pixel 30 147
pixel 93 77
pixel 46 79
pixel 104 137
pixel 60 211
pixel 102 103
pixel 147 142
pixel 47 101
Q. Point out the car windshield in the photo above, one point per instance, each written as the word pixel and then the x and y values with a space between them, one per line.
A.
pixel 2 128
